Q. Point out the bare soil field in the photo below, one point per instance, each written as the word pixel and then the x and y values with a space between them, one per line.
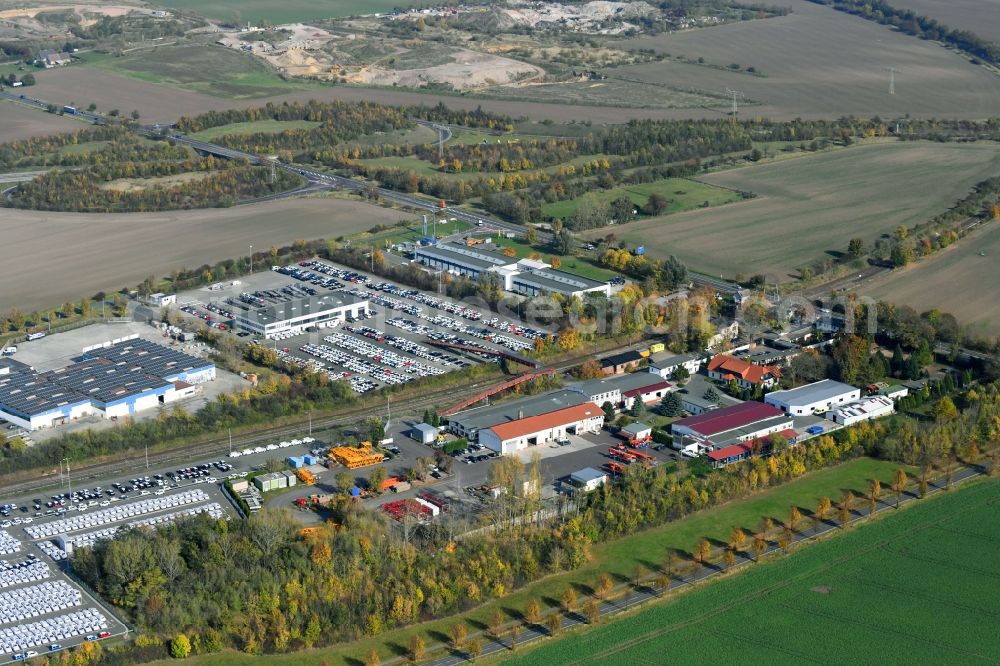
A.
pixel 21 122
pixel 821 62
pixel 981 17
pixel 810 206
pixel 46 258
pixel 162 103
pixel 963 280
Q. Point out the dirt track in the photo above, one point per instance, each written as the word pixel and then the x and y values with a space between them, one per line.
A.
pixel 47 258
pixel 20 122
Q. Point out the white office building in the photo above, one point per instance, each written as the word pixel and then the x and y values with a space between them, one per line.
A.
pixel 872 407
pixel 296 315
pixel 815 398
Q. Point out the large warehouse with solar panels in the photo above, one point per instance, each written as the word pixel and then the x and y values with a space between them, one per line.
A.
pixel 109 381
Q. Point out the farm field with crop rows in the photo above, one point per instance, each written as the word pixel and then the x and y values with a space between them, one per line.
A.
pixel 919 586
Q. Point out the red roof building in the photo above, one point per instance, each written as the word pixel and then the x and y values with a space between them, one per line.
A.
pixel 746 374
pixel 551 426
pixel 731 425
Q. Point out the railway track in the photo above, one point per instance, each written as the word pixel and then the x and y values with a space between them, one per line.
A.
pixel 219 446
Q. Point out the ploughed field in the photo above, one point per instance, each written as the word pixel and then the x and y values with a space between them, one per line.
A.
pixel 47 258
pixel 809 207
pixel 818 62
pixel 915 587
pixel 963 280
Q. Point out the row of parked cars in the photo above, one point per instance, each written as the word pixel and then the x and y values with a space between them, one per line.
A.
pixel 408 346
pixel 270 447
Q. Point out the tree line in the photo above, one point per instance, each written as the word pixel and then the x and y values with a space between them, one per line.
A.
pixel 352 114
pixel 260 587
pixel 87 190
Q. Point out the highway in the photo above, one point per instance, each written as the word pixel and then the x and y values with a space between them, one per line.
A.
pixel 320 181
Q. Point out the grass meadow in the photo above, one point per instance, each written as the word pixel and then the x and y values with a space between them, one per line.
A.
pixel 681 193
pixel 919 586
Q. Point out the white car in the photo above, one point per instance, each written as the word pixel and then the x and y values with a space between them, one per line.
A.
pixel 259 449
pixel 106 503
pixel 235 454
pixel 272 447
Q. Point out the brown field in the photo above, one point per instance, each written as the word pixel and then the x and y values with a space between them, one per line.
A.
pixel 21 122
pixel 981 17
pixel 809 207
pixel 821 62
pixel 959 280
pixel 46 258
pixel 161 103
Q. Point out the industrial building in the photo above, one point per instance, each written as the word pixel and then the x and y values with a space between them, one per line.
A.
pixel 816 398
pixel 109 381
pixel 872 407
pixel 588 479
pixel 538 281
pixel 296 315
pixel 507 438
pixel 623 390
pixel 665 364
pixel 459 259
pixel 469 423
pixel 723 427
pixel 424 433
pixel 525 276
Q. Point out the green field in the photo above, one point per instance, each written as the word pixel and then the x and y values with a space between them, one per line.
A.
pixel 809 207
pixel 254 127
pixel 682 194
pixel 617 557
pixel 211 70
pixel 917 587
pixel 288 11
pixel 609 92
pixel 570 264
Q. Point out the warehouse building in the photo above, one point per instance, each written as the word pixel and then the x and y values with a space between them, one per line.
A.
pixel 508 438
pixel 723 427
pixel 816 398
pixel 459 259
pixel 296 315
pixel 110 381
pixel 525 276
pixel 469 423
pixel 872 407
pixel 588 479
pixel 540 281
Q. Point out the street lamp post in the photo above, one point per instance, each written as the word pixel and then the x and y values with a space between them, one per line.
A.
pixel 251 259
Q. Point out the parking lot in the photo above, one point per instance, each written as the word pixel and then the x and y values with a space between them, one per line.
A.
pixel 392 345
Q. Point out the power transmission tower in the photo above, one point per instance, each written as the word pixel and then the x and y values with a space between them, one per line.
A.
pixel 892 79
pixel 735 94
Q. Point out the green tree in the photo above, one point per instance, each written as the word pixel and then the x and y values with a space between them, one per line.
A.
pixel 945 410
pixel 377 478
pixel 592 611
pixel 671 405
pixel 856 247
pixel 656 204
pixel 418 648
pixel 180 647
pixel 532 611
pixel 680 375
pixel 609 411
